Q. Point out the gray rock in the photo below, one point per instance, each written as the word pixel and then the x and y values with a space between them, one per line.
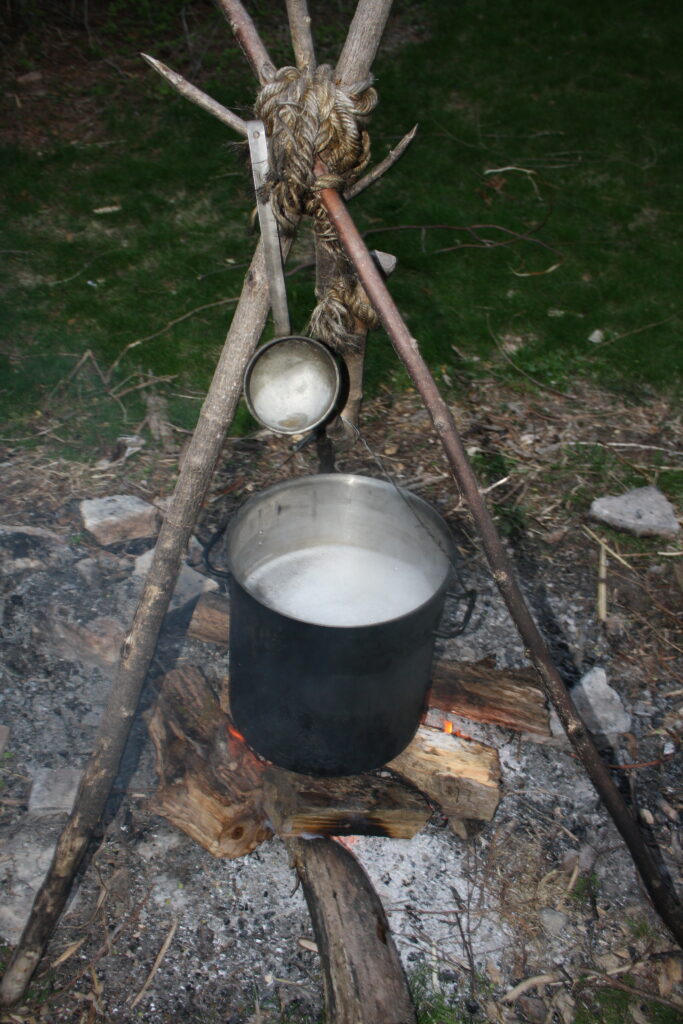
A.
pixel 53 791
pixel 644 512
pixel 25 864
pixel 96 645
pixel 599 705
pixel 4 738
pixel 554 921
pixel 190 582
pixel 119 517
pixel 30 549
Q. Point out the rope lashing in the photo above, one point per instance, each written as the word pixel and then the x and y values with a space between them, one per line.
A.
pixel 308 117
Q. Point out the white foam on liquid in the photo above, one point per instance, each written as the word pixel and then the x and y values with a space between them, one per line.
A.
pixel 296 396
pixel 339 585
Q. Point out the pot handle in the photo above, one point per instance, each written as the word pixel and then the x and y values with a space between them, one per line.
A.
pixel 470 599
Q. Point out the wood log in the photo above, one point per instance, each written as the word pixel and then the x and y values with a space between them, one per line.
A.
pixel 363 979
pixel 299 805
pixel 228 800
pixel 461 776
pixel 210 620
pixel 510 698
pixel 210 783
pixel 507 697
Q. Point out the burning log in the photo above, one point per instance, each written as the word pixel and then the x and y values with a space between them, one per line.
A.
pixel 460 775
pixel 227 799
pixel 510 698
pixel 210 783
pixel 360 804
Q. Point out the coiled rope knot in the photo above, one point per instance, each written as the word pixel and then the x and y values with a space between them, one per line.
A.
pixel 307 117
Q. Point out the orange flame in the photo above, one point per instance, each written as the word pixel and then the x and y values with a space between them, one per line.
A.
pixel 347 841
pixel 448 727
pixel 238 735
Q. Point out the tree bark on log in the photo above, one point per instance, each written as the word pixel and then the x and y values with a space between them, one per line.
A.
pixel 363 977
pixel 356 805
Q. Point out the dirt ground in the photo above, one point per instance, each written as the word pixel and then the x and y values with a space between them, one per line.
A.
pixel 158 930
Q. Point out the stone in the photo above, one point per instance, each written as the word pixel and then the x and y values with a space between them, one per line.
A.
pixel 190 583
pixel 26 858
pixel 96 644
pixel 30 549
pixel 644 512
pixel 599 705
pixel 4 739
pixel 119 517
pixel 53 791
pixel 554 921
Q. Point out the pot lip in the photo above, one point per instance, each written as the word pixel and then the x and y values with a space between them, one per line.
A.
pixel 348 480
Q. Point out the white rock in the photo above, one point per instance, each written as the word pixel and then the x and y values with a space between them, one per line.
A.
pixel 53 791
pixel 25 862
pixel 644 512
pixel 96 644
pixel 596 337
pixel 190 582
pixel 599 705
pixel 119 517
pixel 554 921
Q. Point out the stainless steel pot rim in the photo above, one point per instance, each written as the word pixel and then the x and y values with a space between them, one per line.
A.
pixel 335 381
pixel 441 537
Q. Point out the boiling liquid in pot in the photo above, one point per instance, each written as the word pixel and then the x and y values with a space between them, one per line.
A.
pixel 339 585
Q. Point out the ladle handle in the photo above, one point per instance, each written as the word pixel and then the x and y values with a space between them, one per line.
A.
pixel 258 151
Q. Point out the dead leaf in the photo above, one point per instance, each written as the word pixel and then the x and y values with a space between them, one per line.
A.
pixel 670 974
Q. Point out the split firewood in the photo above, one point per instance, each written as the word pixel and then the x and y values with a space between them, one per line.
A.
pixel 478 690
pixel 510 698
pixel 227 799
pixel 363 978
pixel 299 805
pixel 210 783
pixel 461 776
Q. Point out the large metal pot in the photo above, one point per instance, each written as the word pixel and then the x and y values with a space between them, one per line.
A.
pixel 337 583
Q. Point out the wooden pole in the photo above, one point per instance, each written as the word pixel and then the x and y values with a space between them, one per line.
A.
pixel 138 647
pixel 662 895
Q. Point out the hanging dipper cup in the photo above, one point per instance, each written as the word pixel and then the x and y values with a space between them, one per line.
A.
pixel 292 384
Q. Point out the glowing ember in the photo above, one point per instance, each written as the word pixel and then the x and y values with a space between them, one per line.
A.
pixel 347 841
pixel 447 725
pixel 238 735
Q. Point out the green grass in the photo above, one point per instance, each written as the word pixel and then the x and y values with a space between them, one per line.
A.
pixel 582 102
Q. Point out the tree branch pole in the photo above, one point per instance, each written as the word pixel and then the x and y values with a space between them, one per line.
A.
pixel 664 899
pixel 247 36
pixel 138 648
pixel 300 31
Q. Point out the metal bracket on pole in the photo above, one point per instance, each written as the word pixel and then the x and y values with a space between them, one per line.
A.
pixel 258 151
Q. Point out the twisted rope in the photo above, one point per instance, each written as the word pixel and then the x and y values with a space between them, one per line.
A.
pixel 307 117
